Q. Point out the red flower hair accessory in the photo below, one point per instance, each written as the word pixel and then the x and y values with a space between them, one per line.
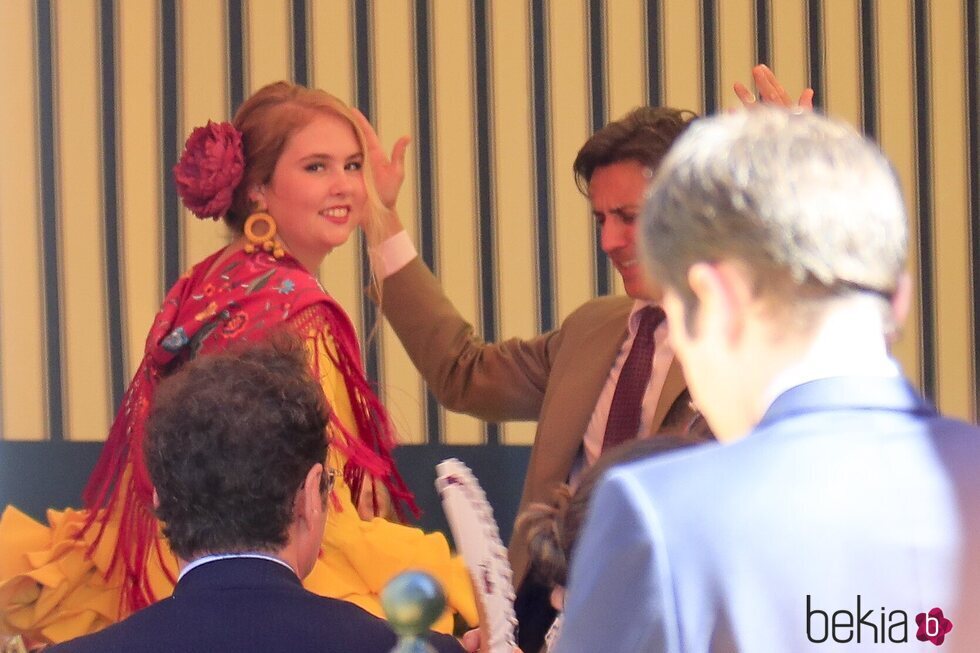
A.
pixel 210 169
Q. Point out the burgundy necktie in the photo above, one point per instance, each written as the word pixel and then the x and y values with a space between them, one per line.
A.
pixel 627 402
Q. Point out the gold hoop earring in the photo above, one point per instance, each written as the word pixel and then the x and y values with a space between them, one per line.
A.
pixel 260 232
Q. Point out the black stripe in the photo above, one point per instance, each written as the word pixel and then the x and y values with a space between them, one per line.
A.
pixel 485 183
pixel 763 32
pixel 709 65
pixel 426 178
pixel 973 113
pixel 110 201
pixel 869 68
pixel 169 138
pixel 301 57
pixel 814 32
pixel 923 145
pixel 542 164
pixel 654 51
pixel 49 218
pixel 598 117
pixel 364 100
pixel 236 56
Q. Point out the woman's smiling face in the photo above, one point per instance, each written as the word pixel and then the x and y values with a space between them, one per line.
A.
pixel 316 194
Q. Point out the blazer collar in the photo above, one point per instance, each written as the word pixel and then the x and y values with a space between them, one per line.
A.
pixel 848 393
pixel 236 573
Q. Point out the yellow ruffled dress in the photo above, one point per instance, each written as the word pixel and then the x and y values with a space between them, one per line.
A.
pixel 51 592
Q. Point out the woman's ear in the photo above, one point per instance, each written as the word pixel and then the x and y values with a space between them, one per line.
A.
pixel 256 196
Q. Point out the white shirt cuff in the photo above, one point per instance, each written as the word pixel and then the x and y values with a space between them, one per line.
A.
pixel 394 253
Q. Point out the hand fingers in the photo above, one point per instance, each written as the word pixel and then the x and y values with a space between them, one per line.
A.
pixel 768 86
pixel 761 79
pixel 806 100
pixel 398 152
pixel 780 92
pixel 471 640
pixel 744 94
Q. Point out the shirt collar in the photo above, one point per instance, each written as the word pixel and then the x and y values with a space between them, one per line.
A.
pixel 847 343
pixel 203 560
pixel 633 322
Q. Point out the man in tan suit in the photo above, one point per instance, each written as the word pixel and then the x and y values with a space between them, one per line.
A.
pixel 565 379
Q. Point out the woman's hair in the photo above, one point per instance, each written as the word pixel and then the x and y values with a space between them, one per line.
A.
pixel 267 120
pixel 553 528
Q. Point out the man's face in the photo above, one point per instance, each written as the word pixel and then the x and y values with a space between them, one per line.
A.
pixel 616 192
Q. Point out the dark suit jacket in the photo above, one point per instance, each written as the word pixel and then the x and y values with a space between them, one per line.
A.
pixel 554 378
pixel 849 487
pixel 241 605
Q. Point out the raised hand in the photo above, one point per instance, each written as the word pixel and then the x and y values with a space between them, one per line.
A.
pixel 771 91
pixel 388 172
pixel 472 641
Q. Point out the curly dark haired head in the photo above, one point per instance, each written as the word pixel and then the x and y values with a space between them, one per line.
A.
pixel 229 441
pixel 643 135
pixel 553 528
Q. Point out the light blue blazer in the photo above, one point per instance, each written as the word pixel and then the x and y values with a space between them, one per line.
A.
pixel 849 487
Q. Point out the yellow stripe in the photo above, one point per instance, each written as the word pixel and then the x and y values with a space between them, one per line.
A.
pixel 203 87
pixel 268 43
pixel 139 171
pixel 956 394
pixel 682 54
pixel 21 314
pixel 573 226
pixel 331 51
pixel 455 170
pixel 331 47
pixel 736 49
pixel 78 161
pixel 510 64
pixel 203 80
pixel 789 44
pixel 842 60
pixel 896 117
pixel 625 56
pixel 625 69
pixel 394 116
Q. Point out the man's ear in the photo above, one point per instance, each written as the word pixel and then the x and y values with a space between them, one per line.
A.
pixel 722 297
pixel 901 301
pixel 309 500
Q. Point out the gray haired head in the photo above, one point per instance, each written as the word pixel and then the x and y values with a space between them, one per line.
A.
pixel 808 206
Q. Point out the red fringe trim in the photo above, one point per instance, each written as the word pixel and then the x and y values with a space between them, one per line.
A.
pixel 369 451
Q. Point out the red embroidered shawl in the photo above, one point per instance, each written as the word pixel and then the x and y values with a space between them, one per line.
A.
pixel 206 311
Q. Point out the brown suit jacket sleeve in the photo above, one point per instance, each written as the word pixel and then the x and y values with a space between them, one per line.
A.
pixel 509 380
pixel 492 381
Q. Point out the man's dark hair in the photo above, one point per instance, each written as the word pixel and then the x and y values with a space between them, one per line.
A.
pixel 229 441
pixel 643 135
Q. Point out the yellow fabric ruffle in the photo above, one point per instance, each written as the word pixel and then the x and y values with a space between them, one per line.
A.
pixel 51 591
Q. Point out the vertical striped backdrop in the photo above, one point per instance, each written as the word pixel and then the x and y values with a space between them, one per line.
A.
pixel 98 96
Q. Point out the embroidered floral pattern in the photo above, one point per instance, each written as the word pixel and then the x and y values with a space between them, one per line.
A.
pixel 235 324
pixel 175 340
